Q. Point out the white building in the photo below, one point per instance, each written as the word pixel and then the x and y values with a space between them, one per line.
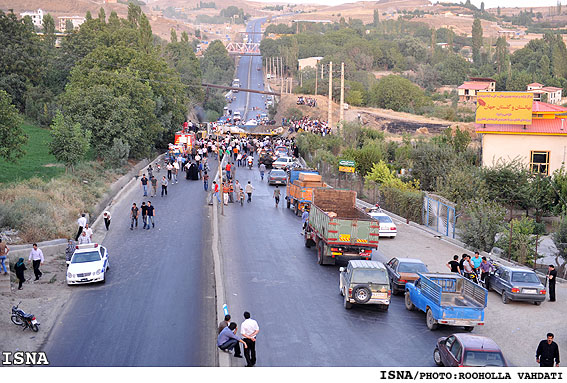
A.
pixel 76 20
pixel 309 62
pixel 36 16
pixel 541 91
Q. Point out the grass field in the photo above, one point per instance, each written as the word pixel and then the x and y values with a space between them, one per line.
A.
pixel 32 164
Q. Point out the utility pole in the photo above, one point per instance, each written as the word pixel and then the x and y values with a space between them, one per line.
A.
pixel 291 85
pixel 316 75
pixel 330 109
pixel 342 104
pixel 322 71
pixel 282 89
pixel 301 79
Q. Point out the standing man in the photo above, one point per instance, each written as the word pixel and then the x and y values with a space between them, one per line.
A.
pixel 89 232
pixel 454 265
pixel 107 218
pixel 151 215
pixel 206 181
pixel 144 184
pixel 169 169
pixel 262 171
pixel 36 258
pixel 153 181
pixel 144 214
pixel 214 193
pixel 84 238
pixel 81 222
pixel 304 218
pixel 70 250
pixel 551 277
pixel 476 260
pixel 175 171
pixel 163 186
pixel 249 189
pixel 547 352
pixel 134 213
pixel 3 255
pixel 249 330
pixel 227 168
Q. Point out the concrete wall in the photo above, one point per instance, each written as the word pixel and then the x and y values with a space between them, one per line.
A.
pixel 511 146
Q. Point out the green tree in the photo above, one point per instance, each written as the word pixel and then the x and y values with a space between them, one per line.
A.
pixel 498 11
pixel 88 16
pixel 134 13
pixel 216 64
pixel 12 136
pixel 397 93
pixel 184 37
pixel 522 246
pixel 477 41
pixel 376 18
pixel 559 238
pixel 69 26
pixel 69 142
pixel 501 56
pixel 508 183
pixel 482 6
pixel 49 30
pixel 102 15
pixel 482 220
pixel 146 36
pixel 173 37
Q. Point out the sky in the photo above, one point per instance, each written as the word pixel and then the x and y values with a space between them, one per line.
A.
pixel 487 3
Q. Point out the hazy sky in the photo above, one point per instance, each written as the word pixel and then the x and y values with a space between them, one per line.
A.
pixel 487 3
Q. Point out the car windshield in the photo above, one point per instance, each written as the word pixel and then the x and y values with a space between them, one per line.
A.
pixel 370 276
pixel 90 256
pixel 483 359
pixel 277 173
pixel 383 219
pixel 412 267
pixel 527 277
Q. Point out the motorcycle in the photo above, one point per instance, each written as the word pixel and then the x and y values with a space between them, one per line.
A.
pixel 250 163
pixel 20 318
pixel 158 167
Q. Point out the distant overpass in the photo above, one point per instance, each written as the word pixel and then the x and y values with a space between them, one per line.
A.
pixel 243 49
pixel 240 89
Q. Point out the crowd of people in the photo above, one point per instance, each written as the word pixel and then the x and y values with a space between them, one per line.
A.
pixel 308 124
pixel 309 101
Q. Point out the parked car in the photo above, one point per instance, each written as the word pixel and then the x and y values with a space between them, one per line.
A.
pixel 88 264
pixel 467 350
pixel 277 177
pixel 364 283
pixel 403 270
pixel 517 284
pixel 387 226
pixel 283 163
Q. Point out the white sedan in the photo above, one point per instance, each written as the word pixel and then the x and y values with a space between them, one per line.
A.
pixel 88 264
pixel 387 226
pixel 283 163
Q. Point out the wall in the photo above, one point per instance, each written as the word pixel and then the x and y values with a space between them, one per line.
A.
pixel 511 146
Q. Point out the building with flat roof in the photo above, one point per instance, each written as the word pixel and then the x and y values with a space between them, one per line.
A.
pixel 309 62
pixel 36 16
pixel 76 20
pixel 469 89
pixel 549 94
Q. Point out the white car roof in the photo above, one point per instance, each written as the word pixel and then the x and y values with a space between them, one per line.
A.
pixel 87 248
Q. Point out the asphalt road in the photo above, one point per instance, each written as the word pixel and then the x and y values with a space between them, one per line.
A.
pixel 157 307
pixel 269 272
pixel 250 78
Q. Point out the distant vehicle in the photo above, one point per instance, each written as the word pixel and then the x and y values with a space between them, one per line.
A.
pixel 467 350
pixel 402 271
pixel 258 68
pixel 263 117
pixel 251 123
pixel 364 283
pixel 387 226
pixel 235 84
pixel 299 194
pixel 517 284
pixel 283 162
pixel 269 103
pixel 236 116
pixel 266 157
pixel 88 264
pixel 448 299
pixel 268 76
pixel 277 177
pixel 281 151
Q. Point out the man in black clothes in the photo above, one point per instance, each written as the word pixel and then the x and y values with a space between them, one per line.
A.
pixel 547 352
pixel 454 265
pixel 551 277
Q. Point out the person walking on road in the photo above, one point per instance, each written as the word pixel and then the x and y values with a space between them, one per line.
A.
pixel 547 352
pixel 151 215
pixel 262 171
pixel 20 267
pixel 214 193
pixel 485 269
pixel 454 265
pixel 89 231
pixel 134 213
pixel 227 340
pixel 249 330
pixel 144 214
pixel 3 255
pixel 144 184
pixel 36 258
pixel 164 184
pixel 169 169
pixel 304 219
pixel 249 189
pixel 206 181
pixel 227 168
pixel 175 171
pixel 82 221
pixel 107 218
pixel 551 277
pixel 153 181
pixel 277 195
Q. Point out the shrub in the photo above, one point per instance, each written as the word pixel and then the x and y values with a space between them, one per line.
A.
pixel 118 154
pixel 523 242
pixel 405 203
pixel 483 219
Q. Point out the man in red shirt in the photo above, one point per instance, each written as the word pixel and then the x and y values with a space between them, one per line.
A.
pixel 228 170
pixel 215 193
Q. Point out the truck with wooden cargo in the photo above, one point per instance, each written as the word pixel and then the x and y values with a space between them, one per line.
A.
pixel 447 299
pixel 299 190
pixel 338 228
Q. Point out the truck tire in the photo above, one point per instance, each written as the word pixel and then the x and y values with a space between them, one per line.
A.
pixel 288 202
pixel 320 252
pixel 347 304
pixel 408 302
pixel 384 307
pixel 430 320
pixel 307 243
pixel 468 328
pixel 361 294
pixel 296 208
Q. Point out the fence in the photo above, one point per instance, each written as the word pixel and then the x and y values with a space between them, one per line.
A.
pixel 439 215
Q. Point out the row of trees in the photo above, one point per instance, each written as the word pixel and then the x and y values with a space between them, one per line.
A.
pixel 112 81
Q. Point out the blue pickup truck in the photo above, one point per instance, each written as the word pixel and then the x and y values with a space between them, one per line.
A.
pixel 448 299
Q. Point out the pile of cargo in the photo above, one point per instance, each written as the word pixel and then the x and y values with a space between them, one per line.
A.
pixel 309 180
pixel 300 185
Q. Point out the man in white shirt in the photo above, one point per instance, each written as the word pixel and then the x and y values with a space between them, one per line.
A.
pixel 89 231
pixel 36 258
pixel 82 221
pixel 84 238
pixel 249 329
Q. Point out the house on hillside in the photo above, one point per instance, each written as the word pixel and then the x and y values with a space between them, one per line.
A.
pixel 36 17
pixel 75 20
pixel 542 145
pixel 510 34
pixel 549 94
pixel 469 89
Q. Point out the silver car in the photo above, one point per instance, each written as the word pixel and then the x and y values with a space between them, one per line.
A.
pixel 517 284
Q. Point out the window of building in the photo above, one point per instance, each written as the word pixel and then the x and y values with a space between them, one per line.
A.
pixel 539 162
